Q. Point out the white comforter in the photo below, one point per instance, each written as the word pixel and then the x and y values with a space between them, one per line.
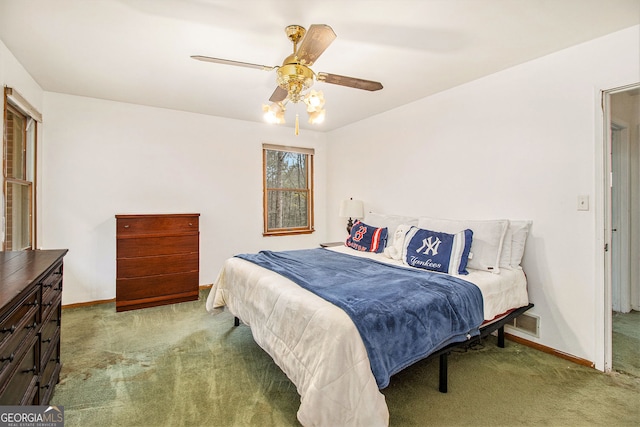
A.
pixel 314 342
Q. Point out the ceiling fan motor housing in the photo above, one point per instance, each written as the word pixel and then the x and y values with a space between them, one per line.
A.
pixel 295 78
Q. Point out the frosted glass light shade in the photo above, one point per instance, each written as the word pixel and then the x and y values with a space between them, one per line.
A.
pixel 352 209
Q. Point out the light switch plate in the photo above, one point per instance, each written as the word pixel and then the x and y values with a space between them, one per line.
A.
pixel 583 203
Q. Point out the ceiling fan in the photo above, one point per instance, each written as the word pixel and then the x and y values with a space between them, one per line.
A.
pixel 295 76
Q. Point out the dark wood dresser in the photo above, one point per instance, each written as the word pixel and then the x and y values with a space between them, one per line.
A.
pixel 157 260
pixel 30 312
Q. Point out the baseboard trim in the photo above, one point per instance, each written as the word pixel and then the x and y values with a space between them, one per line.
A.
pixel 112 300
pixel 549 350
pixel 88 303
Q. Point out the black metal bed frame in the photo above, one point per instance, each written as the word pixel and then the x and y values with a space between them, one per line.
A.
pixel 444 352
pixel 486 330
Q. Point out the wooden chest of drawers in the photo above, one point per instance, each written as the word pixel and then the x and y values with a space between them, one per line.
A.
pixel 30 314
pixel 157 260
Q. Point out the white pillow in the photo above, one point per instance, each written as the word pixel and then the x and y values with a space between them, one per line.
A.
pixel 520 231
pixel 505 256
pixel 513 245
pixel 390 221
pixel 488 237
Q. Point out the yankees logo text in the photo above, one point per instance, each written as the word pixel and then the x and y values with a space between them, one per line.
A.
pixel 430 264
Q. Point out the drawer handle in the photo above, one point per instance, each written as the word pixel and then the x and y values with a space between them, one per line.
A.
pixel 126 226
pixel 45 386
pixel 48 340
pixel 34 303
pixel 32 326
pixel 49 304
pixel 11 330
pixel 26 371
pixel 10 358
pixel 190 224
pixel 58 273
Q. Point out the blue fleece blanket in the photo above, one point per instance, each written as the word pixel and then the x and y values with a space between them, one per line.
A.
pixel 402 315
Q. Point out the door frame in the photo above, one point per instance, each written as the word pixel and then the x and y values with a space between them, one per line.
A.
pixel 604 329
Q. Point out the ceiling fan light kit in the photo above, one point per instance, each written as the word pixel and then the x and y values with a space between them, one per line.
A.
pixel 295 76
pixel 274 113
pixel 315 103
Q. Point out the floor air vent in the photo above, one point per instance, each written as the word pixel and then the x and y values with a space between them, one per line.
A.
pixel 527 323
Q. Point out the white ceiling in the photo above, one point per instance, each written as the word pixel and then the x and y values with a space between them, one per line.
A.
pixel 137 51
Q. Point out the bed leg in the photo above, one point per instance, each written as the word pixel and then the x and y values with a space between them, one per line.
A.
pixel 236 321
pixel 443 372
pixel 501 337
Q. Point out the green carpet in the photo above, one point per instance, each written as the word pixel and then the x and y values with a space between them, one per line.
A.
pixel 179 366
pixel 626 343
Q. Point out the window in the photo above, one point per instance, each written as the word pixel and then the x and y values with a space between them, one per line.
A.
pixel 20 129
pixel 288 190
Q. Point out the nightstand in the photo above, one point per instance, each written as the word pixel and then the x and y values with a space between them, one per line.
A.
pixel 330 244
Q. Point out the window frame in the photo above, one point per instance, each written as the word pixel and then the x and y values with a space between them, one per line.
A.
pixel 288 231
pixel 15 104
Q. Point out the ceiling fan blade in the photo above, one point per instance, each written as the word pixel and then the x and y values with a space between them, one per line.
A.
pixel 349 81
pixel 230 62
pixel 316 41
pixel 278 95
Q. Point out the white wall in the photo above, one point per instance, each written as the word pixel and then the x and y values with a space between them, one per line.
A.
pixel 103 158
pixel 519 144
pixel 13 74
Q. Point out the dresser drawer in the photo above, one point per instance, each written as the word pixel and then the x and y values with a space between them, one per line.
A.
pixel 157 265
pixel 54 276
pixel 19 389
pixel 51 298
pixel 149 225
pixel 50 333
pixel 143 287
pixel 50 373
pixel 51 291
pixel 153 246
pixel 18 326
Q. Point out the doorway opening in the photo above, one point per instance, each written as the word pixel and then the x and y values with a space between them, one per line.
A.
pixel 622 229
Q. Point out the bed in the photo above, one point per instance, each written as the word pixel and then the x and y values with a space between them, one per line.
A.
pixel 318 345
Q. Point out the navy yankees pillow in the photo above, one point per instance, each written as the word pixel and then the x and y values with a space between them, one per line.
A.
pixel 367 238
pixel 432 250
